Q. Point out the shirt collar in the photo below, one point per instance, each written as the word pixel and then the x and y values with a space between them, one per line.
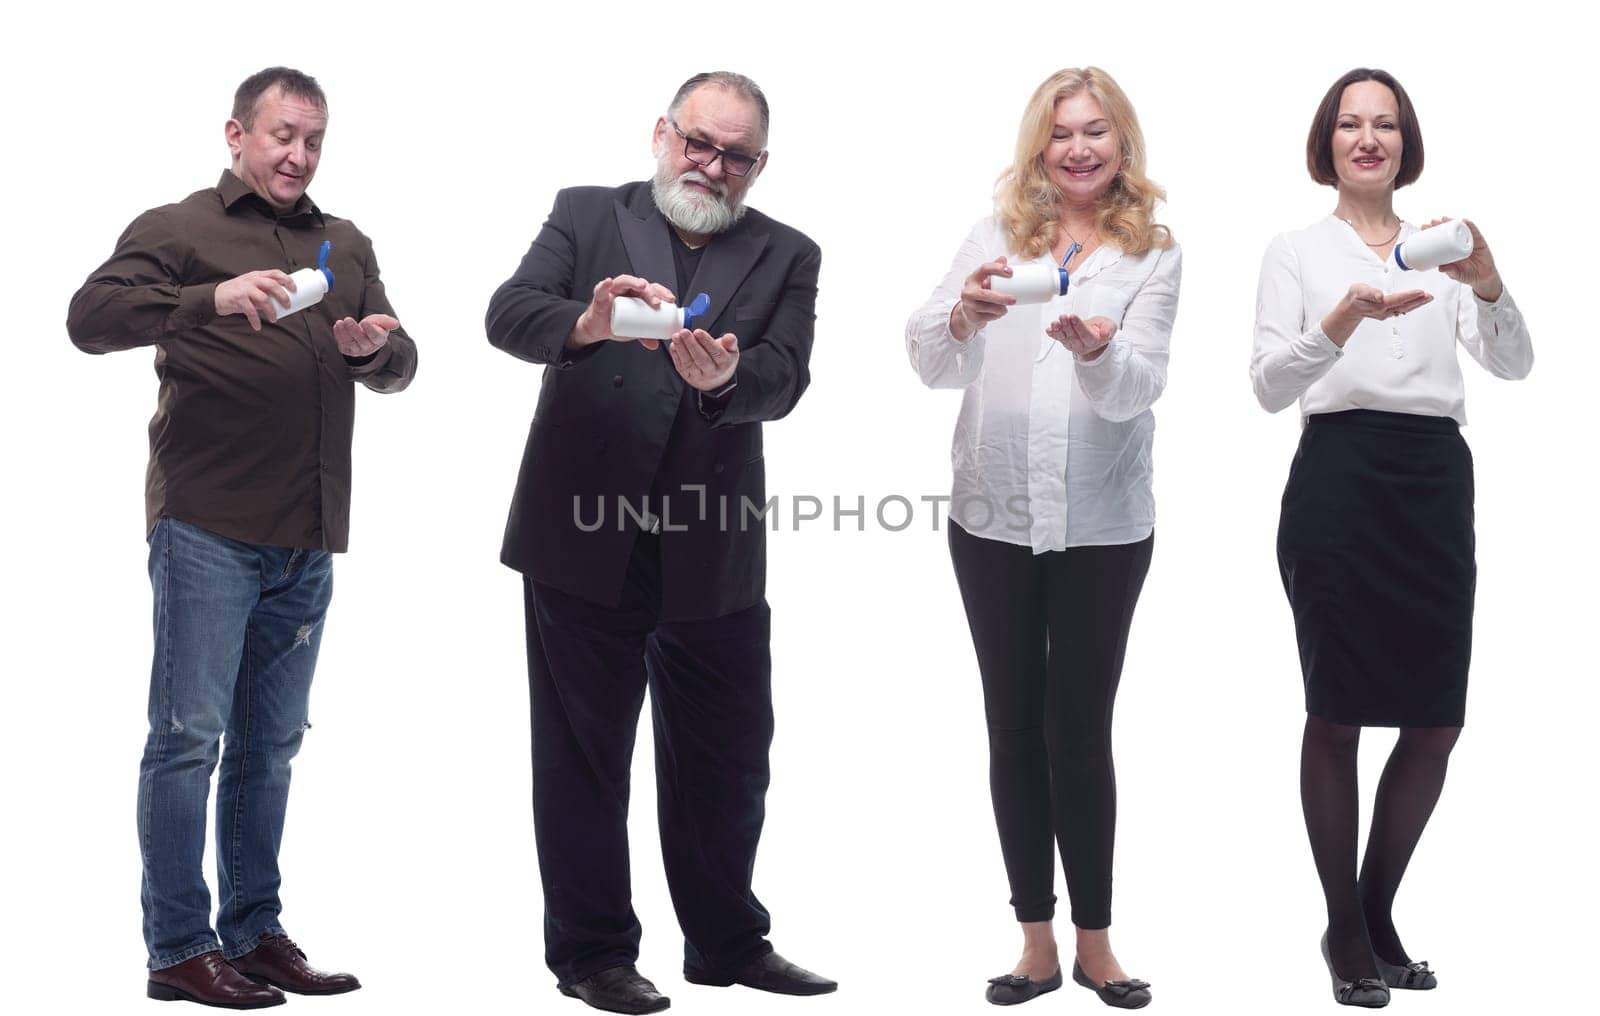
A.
pixel 234 190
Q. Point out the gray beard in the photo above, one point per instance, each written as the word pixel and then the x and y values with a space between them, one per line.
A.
pixel 692 211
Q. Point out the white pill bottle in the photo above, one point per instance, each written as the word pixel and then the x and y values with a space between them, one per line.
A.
pixel 1032 283
pixel 310 284
pixel 1444 244
pixel 632 318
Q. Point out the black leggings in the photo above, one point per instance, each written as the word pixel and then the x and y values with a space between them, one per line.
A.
pixel 1050 631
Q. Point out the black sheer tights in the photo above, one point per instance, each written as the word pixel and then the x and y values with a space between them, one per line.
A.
pixel 1359 920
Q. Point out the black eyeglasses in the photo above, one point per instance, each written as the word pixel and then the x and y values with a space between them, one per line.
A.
pixel 704 153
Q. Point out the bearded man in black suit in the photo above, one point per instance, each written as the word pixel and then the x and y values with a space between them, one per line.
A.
pixel 638 525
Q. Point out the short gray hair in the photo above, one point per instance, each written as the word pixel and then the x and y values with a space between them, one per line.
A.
pixel 732 81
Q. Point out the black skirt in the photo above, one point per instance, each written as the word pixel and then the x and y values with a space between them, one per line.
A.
pixel 1376 549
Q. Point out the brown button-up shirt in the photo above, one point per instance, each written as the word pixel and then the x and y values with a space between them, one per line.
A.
pixel 251 436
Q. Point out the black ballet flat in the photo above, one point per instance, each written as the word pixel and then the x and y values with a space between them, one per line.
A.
pixel 1013 989
pixel 1366 992
pixel 1411 977
pixel 1129 994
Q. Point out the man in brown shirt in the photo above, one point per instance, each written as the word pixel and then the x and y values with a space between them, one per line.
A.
pixel 247 496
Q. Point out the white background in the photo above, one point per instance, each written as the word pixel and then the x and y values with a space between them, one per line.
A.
pixel 409 857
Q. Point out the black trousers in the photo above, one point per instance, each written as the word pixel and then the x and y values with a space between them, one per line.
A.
pixel 711 701
pixel 1050 632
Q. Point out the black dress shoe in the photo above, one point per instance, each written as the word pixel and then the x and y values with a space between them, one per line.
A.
pixel 1129 994
pixel 1011 989
pixel 617 989
pixel 1411 977
pixel 1365 992
pixel 770 972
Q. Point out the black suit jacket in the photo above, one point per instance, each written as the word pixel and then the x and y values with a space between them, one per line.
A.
pixel 615 421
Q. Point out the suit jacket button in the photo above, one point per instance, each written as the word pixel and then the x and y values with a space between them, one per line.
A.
pixel 716 467
pixel 617 381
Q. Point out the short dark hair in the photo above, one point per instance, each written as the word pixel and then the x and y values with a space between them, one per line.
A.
pixel 730 80
pixel 1319 143
pixel 291 82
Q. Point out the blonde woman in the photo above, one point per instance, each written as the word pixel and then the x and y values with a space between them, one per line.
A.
pixel 1052 518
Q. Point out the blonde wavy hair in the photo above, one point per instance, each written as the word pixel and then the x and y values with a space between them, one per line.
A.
pixel 1029 203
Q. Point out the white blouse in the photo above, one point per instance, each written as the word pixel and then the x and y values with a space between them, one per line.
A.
pixel 1051 451
pixel 1406 364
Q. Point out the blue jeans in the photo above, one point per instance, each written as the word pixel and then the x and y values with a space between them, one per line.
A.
pixel 237 626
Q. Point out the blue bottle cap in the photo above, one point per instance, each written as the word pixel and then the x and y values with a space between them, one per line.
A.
pixel 697 308
pixel 1075 248
pixel 322 262
pixel 1397 259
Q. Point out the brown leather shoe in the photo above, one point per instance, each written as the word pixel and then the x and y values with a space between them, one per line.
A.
pixel 279 962
pixel 209 980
